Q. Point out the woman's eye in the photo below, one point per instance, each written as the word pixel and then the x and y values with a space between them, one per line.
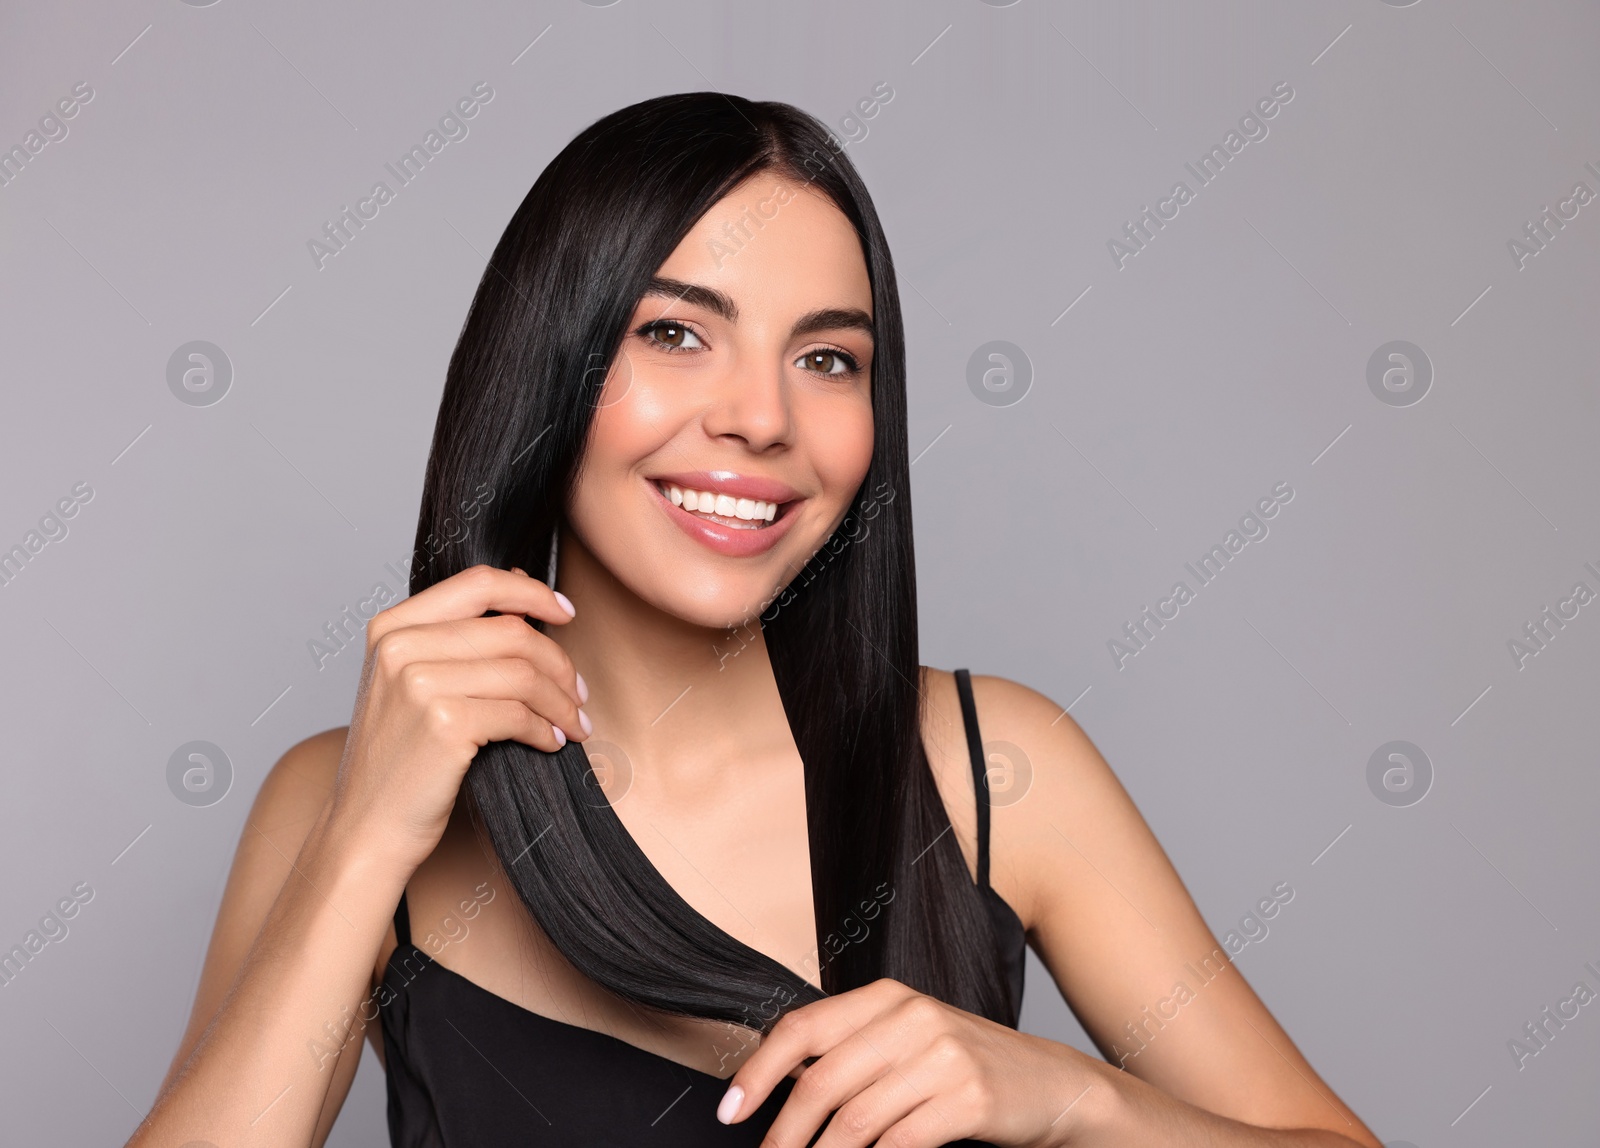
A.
pixel 830 362
pixel 673 336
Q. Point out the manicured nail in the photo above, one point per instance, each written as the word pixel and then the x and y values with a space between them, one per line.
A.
pixel 729 1108
pixel 561 738
pixel 566 604
pixel 583 720
pixel 519 570
pixel 583 690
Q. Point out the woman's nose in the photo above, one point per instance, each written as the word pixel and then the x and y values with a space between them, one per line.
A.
pixel 752 403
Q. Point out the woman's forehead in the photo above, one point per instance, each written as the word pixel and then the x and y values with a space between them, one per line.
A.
pixel 775 241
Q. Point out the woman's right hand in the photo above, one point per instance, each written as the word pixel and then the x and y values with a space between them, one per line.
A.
pixel 440 681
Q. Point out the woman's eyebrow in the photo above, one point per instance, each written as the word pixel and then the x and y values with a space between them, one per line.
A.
pixel 695 295
pixel 833 319
pixel 826 319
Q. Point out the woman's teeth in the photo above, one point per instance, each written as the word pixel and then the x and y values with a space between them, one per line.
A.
pixel 722 507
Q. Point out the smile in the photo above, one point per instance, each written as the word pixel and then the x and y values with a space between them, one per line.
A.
pixel 739 513
pixel 723 513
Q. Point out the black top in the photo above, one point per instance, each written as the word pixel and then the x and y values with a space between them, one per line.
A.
pixel 469 1068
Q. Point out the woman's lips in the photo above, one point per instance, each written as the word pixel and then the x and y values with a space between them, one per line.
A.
pixel 731 483
pixel 732 541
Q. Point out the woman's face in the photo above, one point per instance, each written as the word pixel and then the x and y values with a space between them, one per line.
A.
pixel 745 378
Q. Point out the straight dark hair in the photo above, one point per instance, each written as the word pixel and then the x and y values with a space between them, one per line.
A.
pixel 892 893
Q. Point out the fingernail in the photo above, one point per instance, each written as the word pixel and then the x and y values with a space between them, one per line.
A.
pixel 518 570
pixel 561 738
pixel 729 1108
pixel 566 604
pixel 583 690
pixel 583 720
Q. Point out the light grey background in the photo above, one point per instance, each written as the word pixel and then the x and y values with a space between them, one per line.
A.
pixel 1167 397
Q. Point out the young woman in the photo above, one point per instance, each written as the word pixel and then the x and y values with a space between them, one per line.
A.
pixel 739 880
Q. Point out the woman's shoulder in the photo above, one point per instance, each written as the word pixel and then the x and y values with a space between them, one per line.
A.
pixel 298 785
pixel 287 805
pixel 1045 776
pixel 291 798
pixel 1010 716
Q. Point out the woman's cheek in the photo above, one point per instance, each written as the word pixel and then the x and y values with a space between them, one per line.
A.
pixel 860 460
pixel 841 438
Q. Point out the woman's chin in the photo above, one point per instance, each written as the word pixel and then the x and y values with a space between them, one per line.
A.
pixel 720 608
pixel 721 618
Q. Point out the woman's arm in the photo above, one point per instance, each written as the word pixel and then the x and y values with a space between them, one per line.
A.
pixel 290 803
pixel 1112 920
pixel 439 681
pixel 306 907
pixel 885 1063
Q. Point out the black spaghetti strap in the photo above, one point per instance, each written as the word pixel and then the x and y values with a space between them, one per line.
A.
pixel 402 921
pixel 980 772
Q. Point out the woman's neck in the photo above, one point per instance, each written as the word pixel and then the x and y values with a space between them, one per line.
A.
pixel 685 703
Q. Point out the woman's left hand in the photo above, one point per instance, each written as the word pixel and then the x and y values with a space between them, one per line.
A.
pixel 891 1060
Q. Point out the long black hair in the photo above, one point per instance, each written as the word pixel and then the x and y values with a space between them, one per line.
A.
pixel 892 893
